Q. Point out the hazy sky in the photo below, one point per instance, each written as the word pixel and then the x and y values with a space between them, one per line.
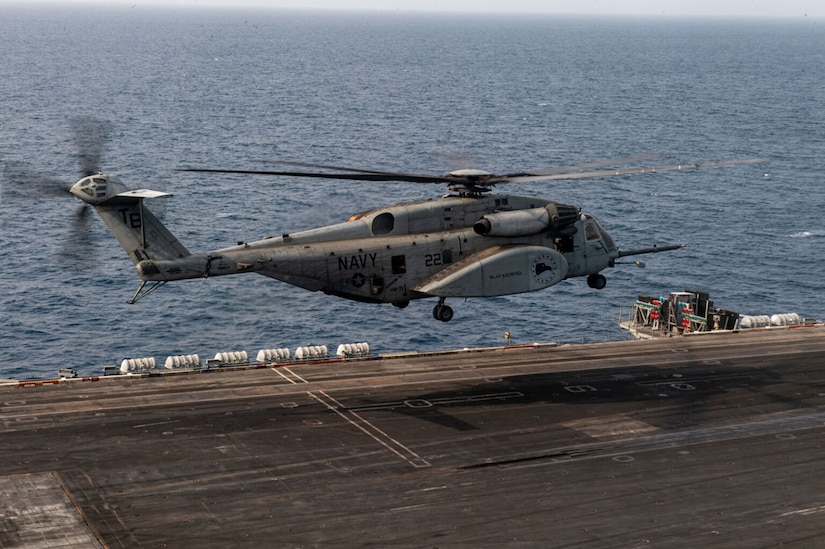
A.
pixel 745 8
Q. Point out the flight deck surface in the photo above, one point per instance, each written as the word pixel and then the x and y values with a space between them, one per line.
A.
pixel 715 440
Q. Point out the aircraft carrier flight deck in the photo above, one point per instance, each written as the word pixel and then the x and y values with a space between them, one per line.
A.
pixel 715 441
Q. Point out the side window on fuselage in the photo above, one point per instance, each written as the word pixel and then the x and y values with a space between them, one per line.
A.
pixel 399 264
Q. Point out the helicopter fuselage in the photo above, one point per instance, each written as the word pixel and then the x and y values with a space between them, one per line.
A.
pixel 472 244
pixel 410 251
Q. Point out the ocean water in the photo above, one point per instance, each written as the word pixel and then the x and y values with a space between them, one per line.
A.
pixel 398 92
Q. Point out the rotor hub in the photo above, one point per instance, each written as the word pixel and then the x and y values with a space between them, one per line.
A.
pixel 95 189
pixel 470 173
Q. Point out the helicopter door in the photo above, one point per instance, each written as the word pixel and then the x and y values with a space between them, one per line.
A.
pixel 397 289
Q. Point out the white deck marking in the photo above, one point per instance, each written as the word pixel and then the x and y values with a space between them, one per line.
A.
pixel 358 421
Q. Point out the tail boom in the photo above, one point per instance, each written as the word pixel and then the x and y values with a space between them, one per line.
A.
pixel 137 230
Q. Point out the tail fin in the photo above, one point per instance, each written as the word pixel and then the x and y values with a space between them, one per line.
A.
pixel 136 229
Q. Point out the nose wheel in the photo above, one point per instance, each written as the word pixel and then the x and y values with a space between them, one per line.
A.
pixel 442 312
pixel 597 281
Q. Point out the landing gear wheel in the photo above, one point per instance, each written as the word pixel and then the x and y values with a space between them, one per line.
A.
pixel 445 313
pixel 442 312
pixel 597 281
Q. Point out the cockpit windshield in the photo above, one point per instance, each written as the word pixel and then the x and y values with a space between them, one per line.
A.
pixel 608 240
pixel 594 231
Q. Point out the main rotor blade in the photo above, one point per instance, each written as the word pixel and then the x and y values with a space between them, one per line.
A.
pixel 420 177
pixel 356 175
pixel 314 165
pixel 19 182
pixel 90 138
pixel 461 161
pixel 78 251
pixel 589 165
pixel 629 171
pixel 478 181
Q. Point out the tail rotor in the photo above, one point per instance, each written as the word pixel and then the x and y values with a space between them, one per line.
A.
pixel 90 135
pixel 23 185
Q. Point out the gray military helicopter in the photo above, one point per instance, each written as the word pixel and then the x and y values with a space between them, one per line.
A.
pixel 468 243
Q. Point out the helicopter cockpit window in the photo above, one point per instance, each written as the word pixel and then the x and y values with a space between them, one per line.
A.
pixel 383 223
pixel 591 230
pixel 608 240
